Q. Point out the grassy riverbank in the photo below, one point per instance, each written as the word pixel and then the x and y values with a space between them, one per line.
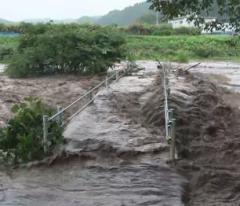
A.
pixel 184 48
pixel 174 48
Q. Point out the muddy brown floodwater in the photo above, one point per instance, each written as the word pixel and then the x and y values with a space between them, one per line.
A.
pixel 56 90
pixel 110 157
pixel 115 152
pixel 207 118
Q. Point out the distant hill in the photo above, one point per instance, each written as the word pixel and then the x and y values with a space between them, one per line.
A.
pixel 88 19
pixel 4 21
pixel 126 16
pixel 138 13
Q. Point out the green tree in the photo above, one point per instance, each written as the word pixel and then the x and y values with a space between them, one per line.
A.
pixel 51 49
pixel 227 10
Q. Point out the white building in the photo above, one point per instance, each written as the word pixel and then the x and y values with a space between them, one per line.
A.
pixel 184 22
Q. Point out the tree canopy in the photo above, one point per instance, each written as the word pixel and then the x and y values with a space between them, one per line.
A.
pixel 50 49
pixel 227 10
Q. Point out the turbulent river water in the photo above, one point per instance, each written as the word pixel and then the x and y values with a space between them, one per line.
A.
pixel 118 161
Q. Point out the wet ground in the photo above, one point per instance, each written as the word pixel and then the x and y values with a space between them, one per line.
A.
pixel 116 153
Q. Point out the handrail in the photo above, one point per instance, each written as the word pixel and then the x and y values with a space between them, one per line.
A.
pixel 170 122
pixel 80 98
pixel 165 86
pixel 59 116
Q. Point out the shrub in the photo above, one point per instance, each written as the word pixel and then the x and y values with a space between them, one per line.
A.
pixel 206 51
pixel 234 41
pixel 181 57
pixel 51 49
pixel 139 29
pixel 162 30
pixel 187 31
pixel 5 52
pixel 21 139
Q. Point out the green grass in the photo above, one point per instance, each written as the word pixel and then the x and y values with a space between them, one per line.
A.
pixel 172 48
pixel 183 48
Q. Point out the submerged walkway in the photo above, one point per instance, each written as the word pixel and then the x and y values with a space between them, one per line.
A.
pixel 103 121
pixel 120 163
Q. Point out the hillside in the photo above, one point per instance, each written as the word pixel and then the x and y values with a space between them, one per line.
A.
pixel 88 19
pixel 126 16
pixel 4 21
pixel 139 12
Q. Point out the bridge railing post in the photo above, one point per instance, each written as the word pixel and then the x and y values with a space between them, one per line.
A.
pixel 60 118
pixel 173 141
pixel 45 133
pixel 106 82
pixel 117 75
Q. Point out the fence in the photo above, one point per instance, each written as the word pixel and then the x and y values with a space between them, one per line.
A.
pixel 64 115
pixel 170 122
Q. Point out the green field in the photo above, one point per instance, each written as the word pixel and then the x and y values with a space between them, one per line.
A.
pixel 184 48
pixel 174 48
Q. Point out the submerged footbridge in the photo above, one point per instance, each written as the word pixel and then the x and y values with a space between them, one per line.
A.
pixel 111 159
pixel 93 115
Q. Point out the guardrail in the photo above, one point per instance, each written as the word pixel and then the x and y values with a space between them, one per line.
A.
pixel 170 122
pixel 64 115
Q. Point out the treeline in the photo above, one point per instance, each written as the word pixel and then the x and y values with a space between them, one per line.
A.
pixel 71 48
pixel 161 30
pixel 11 27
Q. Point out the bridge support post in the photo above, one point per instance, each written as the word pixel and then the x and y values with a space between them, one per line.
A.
pixel 117 75
pixel 91 96
pixel 173 141
pixel 45 133
pixel 60 118
pixel 106 82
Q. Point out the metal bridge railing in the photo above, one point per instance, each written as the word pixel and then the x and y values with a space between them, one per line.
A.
pixel 170 122
pixel 65 115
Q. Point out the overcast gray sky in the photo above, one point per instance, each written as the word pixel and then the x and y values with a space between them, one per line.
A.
pixel 59 9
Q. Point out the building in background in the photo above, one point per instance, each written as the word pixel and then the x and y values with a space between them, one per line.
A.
pixel 184 22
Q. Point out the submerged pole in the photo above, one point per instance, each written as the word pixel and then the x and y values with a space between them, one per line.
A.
pixel 45 133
